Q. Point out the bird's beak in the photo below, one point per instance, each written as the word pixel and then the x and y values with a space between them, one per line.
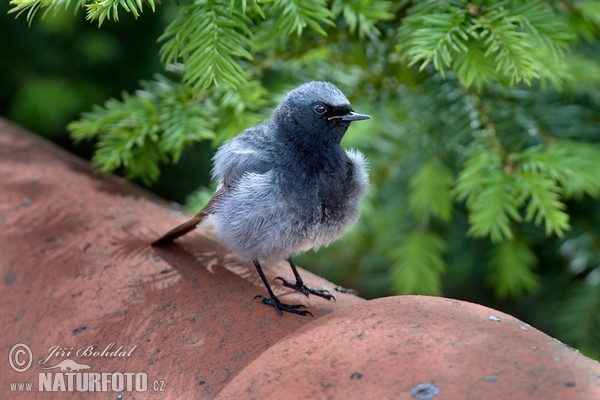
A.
pixel 351 116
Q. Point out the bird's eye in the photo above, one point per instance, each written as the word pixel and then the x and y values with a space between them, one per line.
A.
pixel 320 108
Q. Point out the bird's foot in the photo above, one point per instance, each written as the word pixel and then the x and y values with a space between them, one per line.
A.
pixel 302 288
pixel 279 306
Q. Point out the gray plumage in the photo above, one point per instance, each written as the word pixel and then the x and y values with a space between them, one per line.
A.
pixel 287 185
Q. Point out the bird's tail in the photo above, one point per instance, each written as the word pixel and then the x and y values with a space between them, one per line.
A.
pixel 180 230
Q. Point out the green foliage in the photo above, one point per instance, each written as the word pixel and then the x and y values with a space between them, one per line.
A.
pixel 296 15
pixel 100 10
pixel 586 19
pixel 511 263
pixel 578 314
pixel 362 16
pixel 97 10
pixel 209 37
pixel 138 132
pixel 33 6
pixel 541 178
pixel 212 37
pixel 580 317
pixel 484 145
pixel 490 195
pixel 59 95
pixel 544 202
pixel 241 107
pixel 430 192
pixel 570 164
pixel 418 263
pixel 500 40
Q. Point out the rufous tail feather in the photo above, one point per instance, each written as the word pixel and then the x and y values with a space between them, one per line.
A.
pixel 180 230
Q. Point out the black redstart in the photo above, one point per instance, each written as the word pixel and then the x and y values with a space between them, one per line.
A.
pixel 286 185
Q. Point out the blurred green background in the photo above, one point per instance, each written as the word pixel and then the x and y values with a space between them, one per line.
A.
pixel 485 164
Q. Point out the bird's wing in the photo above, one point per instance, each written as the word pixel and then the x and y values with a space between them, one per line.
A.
pixel 250 151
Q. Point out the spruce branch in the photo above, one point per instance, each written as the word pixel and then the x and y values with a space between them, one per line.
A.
pixel 362 16
pixel 577 320
pixel 255 7
pixel 570 164
pixel 495 192
pixel 100 10
pixel 489 194
pixel 545 205
pixel 506 41
pixel 140 131
pixel 590 11
pixel 97 10
pixel 33 6
pixel 418 263
pixel 432 36
pixel 296 15
pixel 511 263
pixel 209 38
pixel 430 192
pixel 243 106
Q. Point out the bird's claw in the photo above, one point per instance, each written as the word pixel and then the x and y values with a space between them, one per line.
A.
pixel 302 288
pixel 279 306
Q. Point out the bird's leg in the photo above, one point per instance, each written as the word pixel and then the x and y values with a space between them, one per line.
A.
pixel 301 287
pixel 273 301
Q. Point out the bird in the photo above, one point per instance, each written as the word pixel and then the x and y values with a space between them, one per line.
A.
pixel 286 186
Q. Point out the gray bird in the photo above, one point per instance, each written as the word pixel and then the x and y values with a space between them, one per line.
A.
pixel 286 185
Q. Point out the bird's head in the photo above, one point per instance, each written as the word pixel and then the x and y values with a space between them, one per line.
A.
pixel 316 112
